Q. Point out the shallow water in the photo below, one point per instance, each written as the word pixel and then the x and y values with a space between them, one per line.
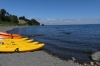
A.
pixel 78 41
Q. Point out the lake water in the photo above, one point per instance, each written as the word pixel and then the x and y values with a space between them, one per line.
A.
pixel 78 41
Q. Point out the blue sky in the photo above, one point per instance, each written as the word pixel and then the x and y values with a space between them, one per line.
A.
pixel 53 9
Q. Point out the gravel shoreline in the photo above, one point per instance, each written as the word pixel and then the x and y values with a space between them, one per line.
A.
pixel 36 58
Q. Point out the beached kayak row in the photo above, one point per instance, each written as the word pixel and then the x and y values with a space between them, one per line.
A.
pixel 18 44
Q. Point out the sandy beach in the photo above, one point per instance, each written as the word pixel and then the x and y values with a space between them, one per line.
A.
pixel 36 58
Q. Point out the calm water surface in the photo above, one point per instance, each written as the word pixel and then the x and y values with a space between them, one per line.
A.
pixel 77 41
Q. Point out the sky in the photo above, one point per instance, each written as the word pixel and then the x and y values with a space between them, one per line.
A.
pixel 55 11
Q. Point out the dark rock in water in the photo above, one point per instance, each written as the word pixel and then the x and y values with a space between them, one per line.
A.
pixel 67 33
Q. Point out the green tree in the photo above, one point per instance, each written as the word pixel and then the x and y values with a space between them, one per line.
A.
pixel 15 19
pixel 2 14
pixel 7 17
pixel 22 17
pixel 34 22
pixel 29 22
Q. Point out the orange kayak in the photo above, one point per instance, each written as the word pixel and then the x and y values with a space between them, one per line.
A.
pixel 4 33
pixel 8 35
pixel 5 37
pixel 15 35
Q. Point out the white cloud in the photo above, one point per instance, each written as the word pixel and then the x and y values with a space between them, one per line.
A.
pixel 68 21
pixel 50 19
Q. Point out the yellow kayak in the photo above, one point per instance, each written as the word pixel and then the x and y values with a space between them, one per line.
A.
pixel 23 39
pixel 20 48
pixel 20 41
pixel 17 43
pixel 15 39
pixel 35 42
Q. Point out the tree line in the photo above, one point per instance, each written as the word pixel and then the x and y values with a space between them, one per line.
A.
pixel 8 19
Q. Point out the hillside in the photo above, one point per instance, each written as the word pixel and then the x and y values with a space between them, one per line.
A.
pixel 22 21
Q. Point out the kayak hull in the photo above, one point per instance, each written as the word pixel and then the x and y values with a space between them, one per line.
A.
pixel 20 48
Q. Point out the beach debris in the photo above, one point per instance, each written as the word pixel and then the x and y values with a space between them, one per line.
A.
pixel 73 59
pixel 92 63
pixel 84 64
